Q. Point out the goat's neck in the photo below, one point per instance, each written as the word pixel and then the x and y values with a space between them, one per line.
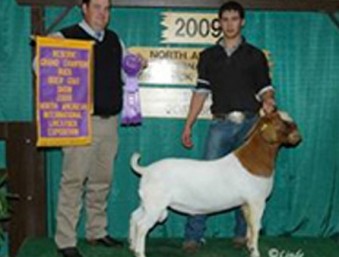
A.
pixel 258 156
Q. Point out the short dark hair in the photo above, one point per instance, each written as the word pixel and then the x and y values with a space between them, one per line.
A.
pixel 232 6
pixel 87 2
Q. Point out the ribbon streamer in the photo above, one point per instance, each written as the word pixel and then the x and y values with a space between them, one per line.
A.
pixel 131 112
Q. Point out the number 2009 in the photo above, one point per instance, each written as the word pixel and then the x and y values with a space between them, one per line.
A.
pixel 192 27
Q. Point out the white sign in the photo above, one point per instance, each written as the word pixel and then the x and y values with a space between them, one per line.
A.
pixel 169 103
pixel 190 28
pixel 169 65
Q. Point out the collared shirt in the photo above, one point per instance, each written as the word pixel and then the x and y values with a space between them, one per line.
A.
pixel 98 35
pixel 236 81
pixel 107 81
pixel 230 50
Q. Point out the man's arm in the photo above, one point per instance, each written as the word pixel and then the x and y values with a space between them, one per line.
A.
pixel 197 102
pixel 264 83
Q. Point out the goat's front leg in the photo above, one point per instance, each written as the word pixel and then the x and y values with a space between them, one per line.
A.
pixel 255 212
pixel 246 212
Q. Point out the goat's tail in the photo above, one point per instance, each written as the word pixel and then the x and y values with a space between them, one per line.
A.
pixel 134 164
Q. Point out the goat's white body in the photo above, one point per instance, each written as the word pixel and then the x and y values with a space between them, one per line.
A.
pixel 196 187
pixel 201 187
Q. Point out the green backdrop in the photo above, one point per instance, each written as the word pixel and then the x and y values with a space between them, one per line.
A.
pixel 305 52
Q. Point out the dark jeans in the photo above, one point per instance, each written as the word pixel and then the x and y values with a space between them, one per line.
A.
pixel 223 137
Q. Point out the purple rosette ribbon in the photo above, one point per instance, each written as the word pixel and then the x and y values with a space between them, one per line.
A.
pixel 131 111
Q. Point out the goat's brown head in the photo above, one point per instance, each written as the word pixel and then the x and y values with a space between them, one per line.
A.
pixel 279 128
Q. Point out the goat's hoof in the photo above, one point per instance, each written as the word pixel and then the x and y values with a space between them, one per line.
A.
pixel 131 247
pixel 254 254
pixel 138 254
pixel 253 251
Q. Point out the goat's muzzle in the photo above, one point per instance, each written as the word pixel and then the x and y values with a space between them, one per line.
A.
pixel 294 138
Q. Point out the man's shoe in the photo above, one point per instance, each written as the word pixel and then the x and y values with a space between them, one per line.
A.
pixel 69 252
pixel 191 246
pixel 107 241
pixel 239 242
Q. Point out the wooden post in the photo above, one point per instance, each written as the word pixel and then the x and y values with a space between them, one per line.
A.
pixel 26 171
pixel 25 167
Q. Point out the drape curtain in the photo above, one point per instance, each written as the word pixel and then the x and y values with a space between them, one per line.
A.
pixel 304 50
pixel 15 63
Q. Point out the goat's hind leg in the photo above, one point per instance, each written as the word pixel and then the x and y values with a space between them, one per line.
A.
pixel 147 221
pixel 135 217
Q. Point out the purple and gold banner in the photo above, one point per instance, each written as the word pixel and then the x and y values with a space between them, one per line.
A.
pixel 64 92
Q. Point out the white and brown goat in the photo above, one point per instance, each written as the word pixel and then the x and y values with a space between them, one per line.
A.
pixel 241 178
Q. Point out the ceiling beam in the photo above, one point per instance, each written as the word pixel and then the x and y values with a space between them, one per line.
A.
pixel 49 2
pixel 278 5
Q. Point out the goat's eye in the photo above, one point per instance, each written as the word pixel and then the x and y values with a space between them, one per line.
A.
pixel 281 126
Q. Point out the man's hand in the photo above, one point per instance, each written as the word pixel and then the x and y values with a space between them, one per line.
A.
pixel 186 137
pixel 196 104
pixel 269 105
pixel 268 102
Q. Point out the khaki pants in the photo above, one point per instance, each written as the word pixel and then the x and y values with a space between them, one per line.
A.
pixel 87 172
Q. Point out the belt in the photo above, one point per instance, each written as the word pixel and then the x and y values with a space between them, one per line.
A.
pixel 235 116
pixel 104 116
